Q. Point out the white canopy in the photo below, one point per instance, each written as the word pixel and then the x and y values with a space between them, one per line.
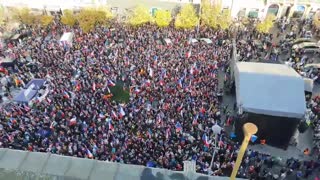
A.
pixel 208 41
pixel 67 38
pixel 168 41
pixel 269 89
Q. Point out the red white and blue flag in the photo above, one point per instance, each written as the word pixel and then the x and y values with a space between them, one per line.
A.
pixel 114 115
pixel 178 127
pixel 121 112
pixel 205 140
pixel 110 83
pixel 110 126
pixel 73 121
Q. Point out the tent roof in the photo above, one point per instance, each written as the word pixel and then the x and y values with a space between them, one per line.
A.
pixel 67 37
pixel 38 83
pixel 270 89
pixel 25 96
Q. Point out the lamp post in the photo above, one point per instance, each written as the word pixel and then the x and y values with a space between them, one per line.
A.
pixel 248 129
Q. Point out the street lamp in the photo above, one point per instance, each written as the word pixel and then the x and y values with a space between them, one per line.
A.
pixel 249 129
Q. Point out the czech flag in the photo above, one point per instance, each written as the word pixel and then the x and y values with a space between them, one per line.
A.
pixel 180 83
pixel 66 95
pixel 121 112
pixel 137 90
pixel 148 83
pixel 195 120
pixel 73 121
pixel 205 140
pixel 110 83
pixel 110 126
pixel 114 115
pixel 89 154
pixel 178 127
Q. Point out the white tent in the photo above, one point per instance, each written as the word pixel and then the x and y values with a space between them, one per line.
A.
pixel 67 38
pixel 269 89
pixel 208 41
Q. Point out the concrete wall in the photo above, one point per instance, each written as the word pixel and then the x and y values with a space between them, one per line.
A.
pixel 22 165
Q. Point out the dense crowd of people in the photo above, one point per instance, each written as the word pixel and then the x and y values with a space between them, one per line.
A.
pixel 174 97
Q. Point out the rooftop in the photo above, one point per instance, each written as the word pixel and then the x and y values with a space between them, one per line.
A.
pixel 15 164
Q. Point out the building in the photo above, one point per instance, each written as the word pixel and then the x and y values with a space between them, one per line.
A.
pixel 239 8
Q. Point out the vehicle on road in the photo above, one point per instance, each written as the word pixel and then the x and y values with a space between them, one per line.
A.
pixel 307 47
pixel 302 40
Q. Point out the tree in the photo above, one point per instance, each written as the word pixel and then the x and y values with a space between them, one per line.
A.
pixel 224 20
pixel 2 17
pixel 68 18
pixel 162 18
pixel 90 17
pixel 265 25
pixel 316 20
pixel 24 16
pixel 213 15
pixel 187 17
pixel 45 20
pixel 139 16
pixel 209 14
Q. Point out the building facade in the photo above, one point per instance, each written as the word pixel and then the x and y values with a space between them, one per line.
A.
pixel 239 8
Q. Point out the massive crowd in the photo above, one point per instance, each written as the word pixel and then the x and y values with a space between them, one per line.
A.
pixel 174 98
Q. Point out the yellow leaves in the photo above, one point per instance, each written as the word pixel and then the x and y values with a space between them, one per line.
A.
pixel 162 18
pixel 139 16
pixel 24 16
pixel 187 17
pixel 45 20
pixel 209 14
pixel 213 15
pixel 2 17
pixel 106 11
pixel 265 25
pixel 68 18
pixel 225 19
pixel 90 17
pixel 316 20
